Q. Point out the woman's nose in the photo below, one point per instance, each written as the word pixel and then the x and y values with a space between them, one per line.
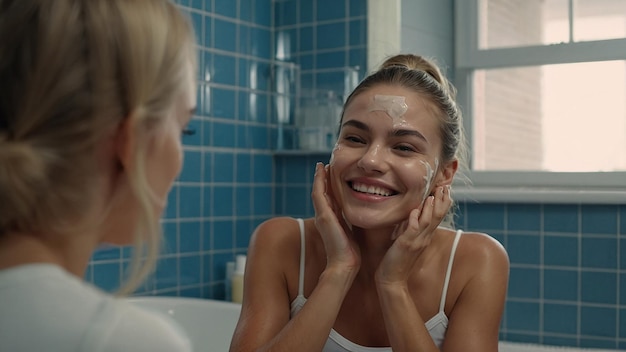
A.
pixel 373 159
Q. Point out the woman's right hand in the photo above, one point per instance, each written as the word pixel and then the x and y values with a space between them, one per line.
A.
pixel 341 251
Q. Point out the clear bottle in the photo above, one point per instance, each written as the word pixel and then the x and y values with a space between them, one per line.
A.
pixel 237 279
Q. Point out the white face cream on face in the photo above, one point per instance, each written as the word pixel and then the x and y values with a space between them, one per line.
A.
pixel 429 177
pixel 394 105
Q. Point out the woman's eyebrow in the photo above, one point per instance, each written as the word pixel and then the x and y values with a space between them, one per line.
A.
pixel 357 124
pixel 402 133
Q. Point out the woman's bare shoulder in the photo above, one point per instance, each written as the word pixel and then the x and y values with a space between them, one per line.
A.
pixel 481 251
pixel 277 233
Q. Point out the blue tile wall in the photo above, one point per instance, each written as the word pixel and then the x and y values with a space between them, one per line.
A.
pixel 568 262
pixel 567 281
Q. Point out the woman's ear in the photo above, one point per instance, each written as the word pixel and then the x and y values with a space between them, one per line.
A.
pixel 126 142
pixel 447 172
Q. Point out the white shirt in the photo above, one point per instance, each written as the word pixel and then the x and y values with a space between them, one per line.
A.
pixel 44 308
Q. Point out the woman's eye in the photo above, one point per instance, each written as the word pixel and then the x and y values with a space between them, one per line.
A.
pixel 187 131
pixel 353 139
pixel 405 148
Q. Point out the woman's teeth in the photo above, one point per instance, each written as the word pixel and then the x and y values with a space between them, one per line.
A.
pixel 359 187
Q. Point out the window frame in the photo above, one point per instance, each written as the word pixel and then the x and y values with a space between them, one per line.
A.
pixel 536 186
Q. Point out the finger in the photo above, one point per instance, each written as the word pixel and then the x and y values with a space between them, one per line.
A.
pixel 318 194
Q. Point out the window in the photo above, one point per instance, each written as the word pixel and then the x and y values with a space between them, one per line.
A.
pixel 542 84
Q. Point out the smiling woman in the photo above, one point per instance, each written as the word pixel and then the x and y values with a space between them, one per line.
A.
pixel 375 270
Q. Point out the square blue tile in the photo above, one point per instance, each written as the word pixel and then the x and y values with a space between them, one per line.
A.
pixel 524 217
pixel 358 58
pixel 296 201
pixel 285 13
pixel 298 170
pixel 223 134
pixel 260 40
pixel 524 249
pixel 192 167
pixel 224 103
pixel 598 321
pixel 225 35
pixel 223 234
pixel 190 270
pixel 199 4
pixel 226 8
pixel 331 59
pixel 224 167
pixel 218 267
pixel 222 201
pixel 263 200
pixel 204 94
pixel 169 244
pixel 305 11
pixel 358 8
pixel 190 202
pixel 166 273
pixel 243 201
pixel 560 218
pixel 560 318
pixel 524 283
pixel 107 276
pixel 330 36
pixel 358 32
pixel 245 45
pixel 259 137
pixel 599 219
pixel 263 168
pixel 522 316
pixel 598 287
pixel 622 323
pixel 244 232
pixel 224 69
pixel 485 217
pixel 306 39
pixel 244 167
pixel 263 12
pixel 331 10
pixel 189 239
pixel 560 251
pixel 560 285
pixel 245 10
pixel 599 253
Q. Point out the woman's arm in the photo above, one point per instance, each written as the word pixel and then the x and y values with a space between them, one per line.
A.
pixel 475 318
pixel 264 324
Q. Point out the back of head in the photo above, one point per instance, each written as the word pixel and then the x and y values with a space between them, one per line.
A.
pixel 76 70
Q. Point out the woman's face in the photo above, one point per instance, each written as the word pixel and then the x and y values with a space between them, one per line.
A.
pixel 387 157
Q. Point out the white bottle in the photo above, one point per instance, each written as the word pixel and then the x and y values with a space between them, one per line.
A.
pixel 237 279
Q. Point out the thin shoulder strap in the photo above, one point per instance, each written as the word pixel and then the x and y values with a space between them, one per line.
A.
pixel 457 237
pixel 302 251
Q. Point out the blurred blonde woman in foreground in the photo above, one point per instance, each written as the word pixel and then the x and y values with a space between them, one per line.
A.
pixel 376 269
pixel 94 95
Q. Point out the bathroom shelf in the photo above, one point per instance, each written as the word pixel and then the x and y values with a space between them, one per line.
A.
pixel 302 152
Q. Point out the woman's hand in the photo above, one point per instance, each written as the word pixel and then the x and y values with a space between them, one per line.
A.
pixel 411 237
pixel 341 251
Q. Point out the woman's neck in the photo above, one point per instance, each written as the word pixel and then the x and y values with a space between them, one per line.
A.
pixel 72 254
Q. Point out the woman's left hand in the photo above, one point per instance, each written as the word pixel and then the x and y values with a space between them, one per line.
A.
pixel 411 237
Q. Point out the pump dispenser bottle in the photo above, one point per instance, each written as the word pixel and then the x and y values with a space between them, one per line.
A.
pixel 237 279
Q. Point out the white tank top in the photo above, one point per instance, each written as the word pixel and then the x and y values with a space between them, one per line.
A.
pixel 436 326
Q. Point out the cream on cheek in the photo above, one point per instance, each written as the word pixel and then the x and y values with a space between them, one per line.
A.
pixel 429 177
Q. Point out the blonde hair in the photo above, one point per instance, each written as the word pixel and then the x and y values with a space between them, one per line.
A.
pixel 71 72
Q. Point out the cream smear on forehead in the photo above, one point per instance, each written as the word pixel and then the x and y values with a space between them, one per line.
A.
pixel 429 177
pixel 394 105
